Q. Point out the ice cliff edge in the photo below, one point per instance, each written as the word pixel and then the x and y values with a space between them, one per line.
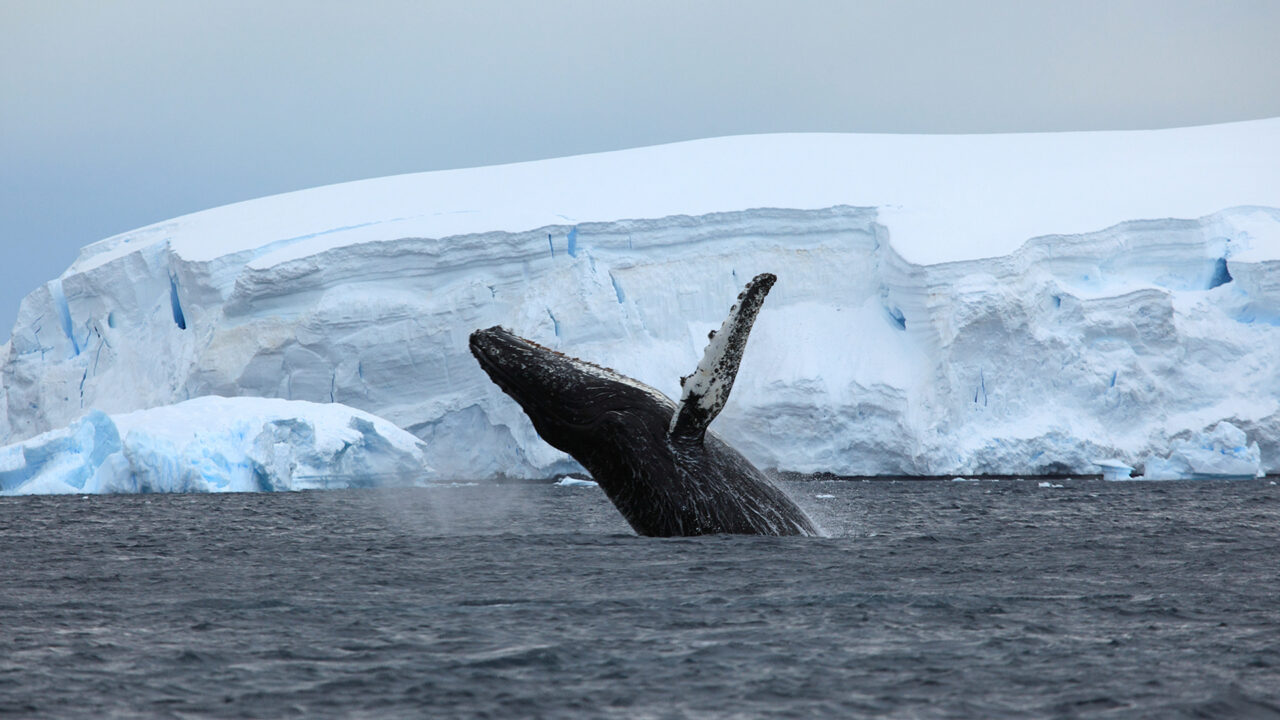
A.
pixel 885 349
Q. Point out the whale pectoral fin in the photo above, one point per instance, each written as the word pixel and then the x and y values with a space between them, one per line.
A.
pixel 707 389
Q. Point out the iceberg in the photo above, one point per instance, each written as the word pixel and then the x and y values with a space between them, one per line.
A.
pixel 569 481
pixel 1223 452
pixel 946 305
pixel 1114 469
pixel 215 444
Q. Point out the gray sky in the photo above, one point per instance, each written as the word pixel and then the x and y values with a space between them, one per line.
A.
pixel 114 115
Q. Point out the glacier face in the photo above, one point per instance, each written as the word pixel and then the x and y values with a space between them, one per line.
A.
pixel 1114 343
pixel 215 444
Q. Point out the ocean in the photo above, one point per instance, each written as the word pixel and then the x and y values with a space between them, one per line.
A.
pixel 928 599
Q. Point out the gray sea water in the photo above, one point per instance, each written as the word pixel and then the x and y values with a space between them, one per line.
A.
pixel 929 599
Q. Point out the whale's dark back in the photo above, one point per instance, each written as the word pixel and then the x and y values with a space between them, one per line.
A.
pixel 617 428
pixel 704 489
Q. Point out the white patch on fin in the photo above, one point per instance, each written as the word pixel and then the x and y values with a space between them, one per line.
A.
pixel 707 389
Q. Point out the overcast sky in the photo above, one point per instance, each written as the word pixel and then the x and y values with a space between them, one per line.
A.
pixel 114 115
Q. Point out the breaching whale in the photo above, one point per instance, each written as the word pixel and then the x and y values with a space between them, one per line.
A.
pixel 664 471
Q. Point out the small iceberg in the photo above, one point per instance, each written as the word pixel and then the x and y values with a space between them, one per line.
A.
pixel 216 444
pixel 1114 469
pixel 1223 452
pixel 570 481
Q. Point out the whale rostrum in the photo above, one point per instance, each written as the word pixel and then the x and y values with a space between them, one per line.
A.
pixel 663 469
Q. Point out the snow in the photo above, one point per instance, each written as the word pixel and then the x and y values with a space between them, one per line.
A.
pixel 945 305
pixel 215 444
pixel 937 191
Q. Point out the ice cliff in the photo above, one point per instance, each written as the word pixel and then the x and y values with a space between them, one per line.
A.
pixel 945 305
pixel 215 444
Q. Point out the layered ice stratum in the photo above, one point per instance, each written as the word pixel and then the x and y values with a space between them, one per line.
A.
pixel 945 305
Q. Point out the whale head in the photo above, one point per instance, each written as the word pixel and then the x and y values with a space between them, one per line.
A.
pixel 576 406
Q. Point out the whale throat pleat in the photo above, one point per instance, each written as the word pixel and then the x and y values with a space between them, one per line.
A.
pixel 705 392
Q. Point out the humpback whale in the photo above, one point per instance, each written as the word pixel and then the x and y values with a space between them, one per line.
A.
pixel 655 459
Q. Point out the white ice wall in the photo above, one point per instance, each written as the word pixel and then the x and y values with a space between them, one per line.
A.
pixel 1104 344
